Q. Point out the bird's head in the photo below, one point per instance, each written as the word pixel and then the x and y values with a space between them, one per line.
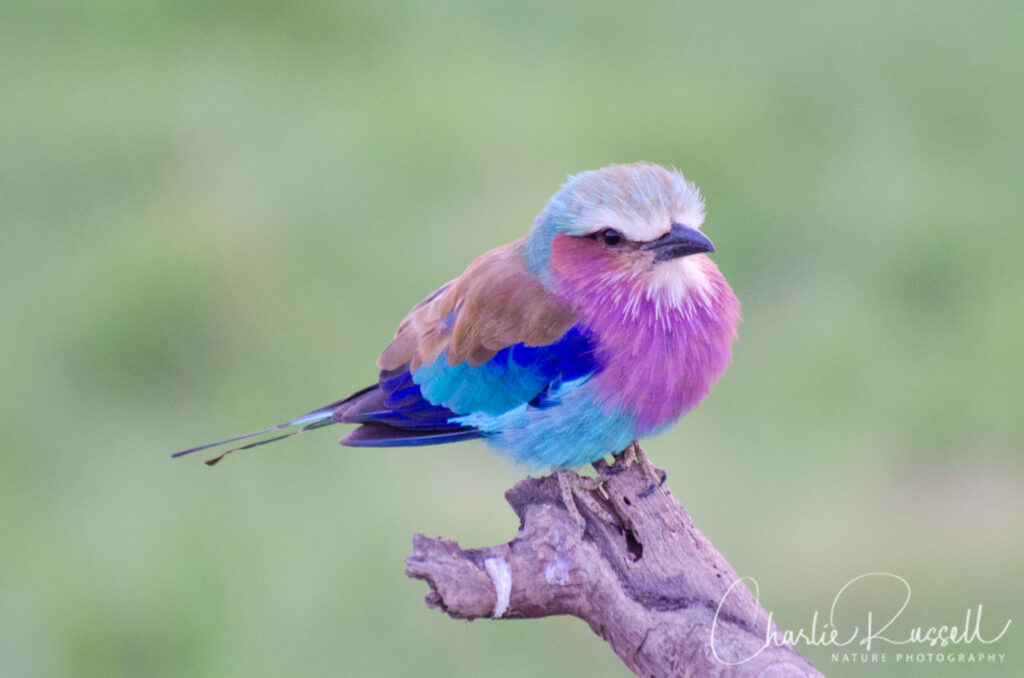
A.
pixel 637 223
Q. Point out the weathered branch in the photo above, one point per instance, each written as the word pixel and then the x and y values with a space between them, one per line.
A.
pixel 651 585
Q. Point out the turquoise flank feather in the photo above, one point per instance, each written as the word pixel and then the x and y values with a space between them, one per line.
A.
pixel 518 401
pixel 497 386
pixel 574 430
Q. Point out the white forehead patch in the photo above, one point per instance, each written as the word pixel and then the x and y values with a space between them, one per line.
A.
pixel 638 228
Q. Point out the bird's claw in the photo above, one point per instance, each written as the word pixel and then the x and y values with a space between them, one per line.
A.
pixel 582 488
pixel 611 470
pixel 653 486
pixel 634 454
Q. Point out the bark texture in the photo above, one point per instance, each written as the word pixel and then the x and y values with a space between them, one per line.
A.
pixel 643 576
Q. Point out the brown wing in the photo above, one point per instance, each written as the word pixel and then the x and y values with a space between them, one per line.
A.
pixel 495 303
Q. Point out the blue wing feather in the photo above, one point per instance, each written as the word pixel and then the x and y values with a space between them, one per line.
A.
pixel 425 406
pixel 515 375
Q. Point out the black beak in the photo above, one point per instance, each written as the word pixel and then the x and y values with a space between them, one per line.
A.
pixel 679 242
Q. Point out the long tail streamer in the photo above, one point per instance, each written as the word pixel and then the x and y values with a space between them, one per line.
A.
pixel 316 419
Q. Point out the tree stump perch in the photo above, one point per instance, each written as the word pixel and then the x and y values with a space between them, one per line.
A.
pixel 650 584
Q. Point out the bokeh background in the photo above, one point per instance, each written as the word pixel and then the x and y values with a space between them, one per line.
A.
pixel 213 216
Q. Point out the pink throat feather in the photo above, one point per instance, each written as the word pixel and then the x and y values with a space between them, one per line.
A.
pixel 677 334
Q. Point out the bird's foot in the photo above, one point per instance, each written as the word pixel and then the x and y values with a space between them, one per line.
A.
pixel 634 454
pixel 582 488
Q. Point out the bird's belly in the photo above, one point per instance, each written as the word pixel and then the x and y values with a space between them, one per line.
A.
pixel 575 430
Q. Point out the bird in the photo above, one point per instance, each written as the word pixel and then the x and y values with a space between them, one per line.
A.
pixel 606 323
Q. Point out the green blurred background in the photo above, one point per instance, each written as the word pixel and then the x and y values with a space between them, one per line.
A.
pixel 214 215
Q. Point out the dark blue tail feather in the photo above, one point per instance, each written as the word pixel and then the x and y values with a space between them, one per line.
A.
pixel 381 435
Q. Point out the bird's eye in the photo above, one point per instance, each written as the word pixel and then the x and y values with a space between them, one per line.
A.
pixel 610 237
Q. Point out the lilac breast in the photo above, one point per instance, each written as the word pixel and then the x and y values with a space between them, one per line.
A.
pixel 659 355
pixel 661 367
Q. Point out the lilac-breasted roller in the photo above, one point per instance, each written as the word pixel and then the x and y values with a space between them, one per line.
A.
pixel 605 324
